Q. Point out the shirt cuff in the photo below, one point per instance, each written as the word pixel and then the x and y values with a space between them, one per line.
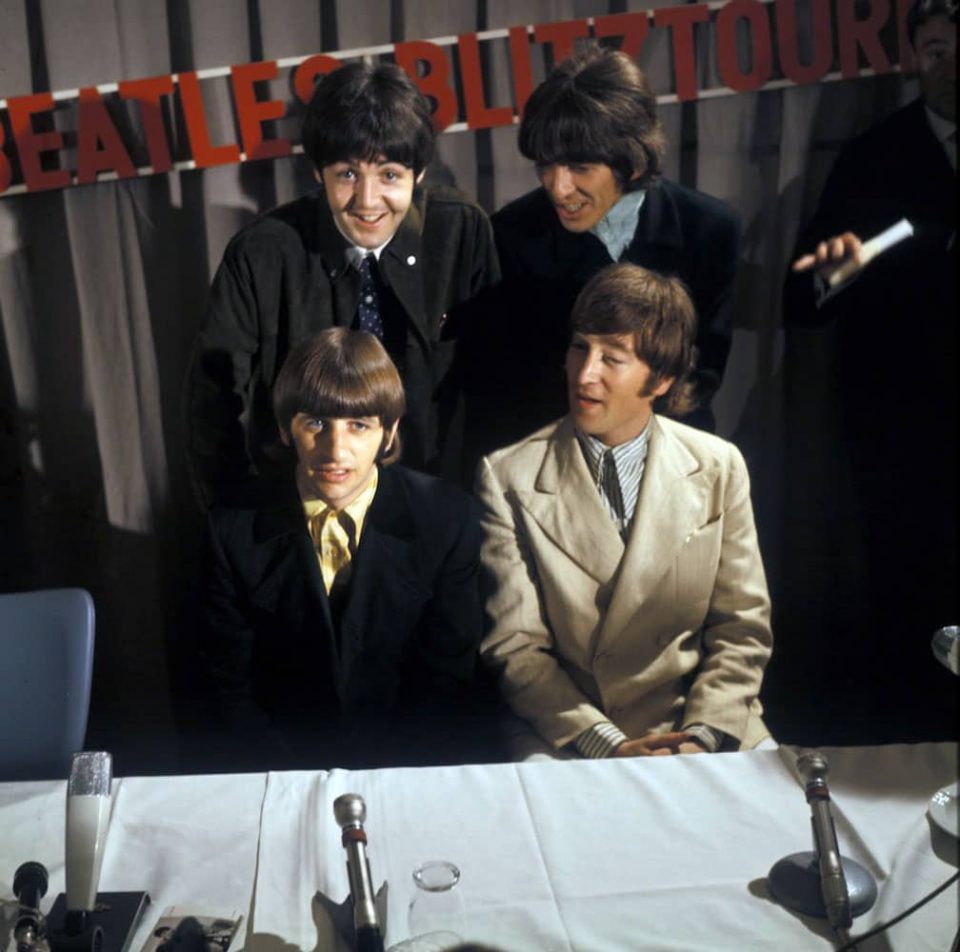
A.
pixel 711 740
pixel 601 740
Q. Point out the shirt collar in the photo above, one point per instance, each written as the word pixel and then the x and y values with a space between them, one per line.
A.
pixel 617 227
pixel 623 454
pixel 354 253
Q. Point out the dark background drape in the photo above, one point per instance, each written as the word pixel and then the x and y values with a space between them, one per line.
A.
pixel 102 290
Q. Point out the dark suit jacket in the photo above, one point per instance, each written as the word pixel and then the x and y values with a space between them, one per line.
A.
pixel 890 350
pixel 387 680
pixel 679 232
pixel 284 277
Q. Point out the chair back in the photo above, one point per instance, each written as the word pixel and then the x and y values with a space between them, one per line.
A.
pixel 46 647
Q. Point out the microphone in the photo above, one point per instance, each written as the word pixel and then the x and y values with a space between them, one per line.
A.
pixel 833 884
pixel 30 886
pixel 88 819
pixel 350 811
pixel 822 883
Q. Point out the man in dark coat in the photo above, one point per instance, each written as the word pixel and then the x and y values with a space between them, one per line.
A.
pixel 891 334
pixel 370 249
pixel 592 130
pixel 343 618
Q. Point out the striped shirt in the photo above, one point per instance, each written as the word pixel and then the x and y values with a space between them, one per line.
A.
pixel 616 472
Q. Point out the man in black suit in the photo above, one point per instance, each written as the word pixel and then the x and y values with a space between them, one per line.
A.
pixel 892 341
pixel 592 130
pixel 371 248
pixel 343 619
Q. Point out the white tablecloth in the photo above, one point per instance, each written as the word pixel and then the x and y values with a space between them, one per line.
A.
pixel 187 841
pixel 660 853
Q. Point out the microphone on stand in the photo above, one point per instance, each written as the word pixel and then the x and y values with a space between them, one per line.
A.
pixel 88 819
pixel 30 886
pixel 833 884
pixel 350 811
pixel 822 883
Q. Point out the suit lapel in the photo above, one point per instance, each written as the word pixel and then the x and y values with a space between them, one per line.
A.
pixel 386 559
pixel 658 227
pixel 567 507
pixel 669 506
pixel 289 563
pixel 401 267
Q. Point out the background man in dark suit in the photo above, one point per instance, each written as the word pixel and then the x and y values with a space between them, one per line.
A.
pixel 591 127
pixel 893 343
pixel 369 249
pixel 343 619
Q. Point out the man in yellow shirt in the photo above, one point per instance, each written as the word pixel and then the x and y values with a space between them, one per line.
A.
pixel 342 621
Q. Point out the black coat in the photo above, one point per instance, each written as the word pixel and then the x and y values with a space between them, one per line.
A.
pixel 284 277
pixel 679 232
pixel 389 676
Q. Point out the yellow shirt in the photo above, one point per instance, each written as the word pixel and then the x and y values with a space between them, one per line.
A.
pixel 336 535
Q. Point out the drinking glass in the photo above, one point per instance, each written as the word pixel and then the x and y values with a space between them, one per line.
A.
pixel 436 917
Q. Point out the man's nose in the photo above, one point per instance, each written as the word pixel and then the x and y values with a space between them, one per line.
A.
pixel 332 442
pixel 367 191
pixel 588 369
pixel 558 181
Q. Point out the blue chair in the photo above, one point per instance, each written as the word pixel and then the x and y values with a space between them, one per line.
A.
pixel 46 663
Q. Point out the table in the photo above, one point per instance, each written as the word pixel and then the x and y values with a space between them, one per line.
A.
pixel 661 853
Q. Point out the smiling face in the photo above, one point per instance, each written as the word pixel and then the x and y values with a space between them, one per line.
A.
pixel 336 456
pixel 369 200
pixel 581 193
pixel 936 54
pixel 609 387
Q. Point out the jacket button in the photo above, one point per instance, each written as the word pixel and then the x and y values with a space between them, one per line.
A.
pixel 411 259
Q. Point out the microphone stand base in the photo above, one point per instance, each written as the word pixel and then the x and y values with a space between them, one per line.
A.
pixel 794 882
pixel 109 928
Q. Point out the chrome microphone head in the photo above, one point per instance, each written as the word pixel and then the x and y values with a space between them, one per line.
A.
pixel 812 766
pixel 349 810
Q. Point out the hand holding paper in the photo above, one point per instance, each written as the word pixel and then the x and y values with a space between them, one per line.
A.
pixel 842 257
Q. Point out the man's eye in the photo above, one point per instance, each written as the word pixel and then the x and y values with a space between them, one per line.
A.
pixel 347 174
pixel 612 360
pixel 391 175
pixel 578 345
pixel 579 168
pixel 315 424
pixel 359 426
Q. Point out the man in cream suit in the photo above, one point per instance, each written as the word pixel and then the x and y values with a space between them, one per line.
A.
pixel 628 600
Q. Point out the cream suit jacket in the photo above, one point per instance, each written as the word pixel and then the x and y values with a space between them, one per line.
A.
pixel 670 630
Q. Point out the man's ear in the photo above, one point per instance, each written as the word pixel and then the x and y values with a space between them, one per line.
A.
pixel 284 436
pixel 318 175
pixel 419 178
pixel 662 386
pixel 390 437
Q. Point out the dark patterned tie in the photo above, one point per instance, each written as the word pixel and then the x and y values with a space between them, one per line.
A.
pixel 368 310
pixel 610 483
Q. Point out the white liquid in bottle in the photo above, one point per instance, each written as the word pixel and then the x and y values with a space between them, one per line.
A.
pixel 88 818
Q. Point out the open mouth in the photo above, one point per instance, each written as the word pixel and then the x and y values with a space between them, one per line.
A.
pixel 332 475
pixel 585 401
pixel 571 208
pixel 368 219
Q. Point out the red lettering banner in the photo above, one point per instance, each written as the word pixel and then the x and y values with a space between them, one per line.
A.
pixel 741 33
